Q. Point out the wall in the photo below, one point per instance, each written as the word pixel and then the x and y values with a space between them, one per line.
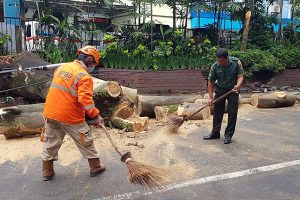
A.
pixel 289 77
pixel 149 82
pixel 179 81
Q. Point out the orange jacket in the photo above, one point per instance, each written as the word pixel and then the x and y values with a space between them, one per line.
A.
pixel 70 95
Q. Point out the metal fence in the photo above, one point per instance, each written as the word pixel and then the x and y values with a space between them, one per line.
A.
pixel 30 36
pixel 35 33
pixel 11 35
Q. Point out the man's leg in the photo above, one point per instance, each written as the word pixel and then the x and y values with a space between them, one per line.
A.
pixel 52 139
pixel 219 108
pixel 233 103
pixel 83 138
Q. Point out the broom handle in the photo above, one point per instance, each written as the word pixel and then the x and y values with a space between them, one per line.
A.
pixel 111 140
pixel 214 101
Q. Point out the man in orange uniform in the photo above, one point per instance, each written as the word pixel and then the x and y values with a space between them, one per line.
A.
pixel 71 97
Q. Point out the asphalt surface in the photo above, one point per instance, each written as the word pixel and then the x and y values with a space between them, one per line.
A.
pixel 263 137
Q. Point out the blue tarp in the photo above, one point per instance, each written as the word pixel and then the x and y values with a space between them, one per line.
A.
pixel 208 18
pixel 12 11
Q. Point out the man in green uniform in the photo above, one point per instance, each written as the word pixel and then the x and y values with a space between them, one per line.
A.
pixel 225 74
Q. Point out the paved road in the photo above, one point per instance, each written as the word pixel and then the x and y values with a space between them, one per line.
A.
pixel 263 138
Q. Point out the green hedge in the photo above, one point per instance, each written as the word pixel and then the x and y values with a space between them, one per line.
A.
pixel 276 59
pixel 288 56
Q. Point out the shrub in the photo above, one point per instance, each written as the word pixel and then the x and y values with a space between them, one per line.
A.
pixel 288 57
pixel 255 60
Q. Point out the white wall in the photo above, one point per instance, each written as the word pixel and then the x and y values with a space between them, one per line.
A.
pixel 286 12
pixel 161 14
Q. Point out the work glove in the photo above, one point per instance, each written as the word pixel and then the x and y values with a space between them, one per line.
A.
pixel 99 120
pixel 96 121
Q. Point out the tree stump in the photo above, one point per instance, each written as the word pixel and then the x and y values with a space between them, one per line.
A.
pixel 137 124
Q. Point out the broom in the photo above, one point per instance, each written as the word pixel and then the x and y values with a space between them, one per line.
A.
pixel 139 173
pixel 176 122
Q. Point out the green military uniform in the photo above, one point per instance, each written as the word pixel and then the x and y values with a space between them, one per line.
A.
pixel 225 78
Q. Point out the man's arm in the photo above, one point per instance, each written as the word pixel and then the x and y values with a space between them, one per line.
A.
pixel 211 84
pixel 85 98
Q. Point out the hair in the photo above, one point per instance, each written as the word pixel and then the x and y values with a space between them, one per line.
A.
pixel 222 53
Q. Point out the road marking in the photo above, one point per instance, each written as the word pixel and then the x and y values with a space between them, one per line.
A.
pixel 200 181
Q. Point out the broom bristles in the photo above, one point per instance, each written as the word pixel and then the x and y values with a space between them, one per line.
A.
pixel 146 175
pixel 175 123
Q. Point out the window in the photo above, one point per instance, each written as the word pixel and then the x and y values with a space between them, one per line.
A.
pixel 28 31
pixel 1 11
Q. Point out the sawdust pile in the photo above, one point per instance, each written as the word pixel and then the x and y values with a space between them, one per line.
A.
pixel 155 147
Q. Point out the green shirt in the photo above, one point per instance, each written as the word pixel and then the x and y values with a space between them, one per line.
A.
pixel 225 77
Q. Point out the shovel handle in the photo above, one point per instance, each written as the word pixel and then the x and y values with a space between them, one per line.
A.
pixel 214 101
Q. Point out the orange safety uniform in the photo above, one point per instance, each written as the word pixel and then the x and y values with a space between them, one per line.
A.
pixel 71 94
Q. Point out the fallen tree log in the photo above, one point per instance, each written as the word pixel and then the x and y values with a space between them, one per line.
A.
pixel 273 100
pixel 136 124
pixel 21 78
pixel 22 120
pixel 187 109
pixel 44 77
pixel 16 121
pixel 146 104
pixel 115 87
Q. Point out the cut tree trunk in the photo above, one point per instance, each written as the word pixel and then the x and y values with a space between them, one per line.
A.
pixel 137 124
pixel 273 100
pixel 124 110
pixel 146 104
pixel 114 87
pixel 188 109
pixel 22 120
pixel 161 113
pixel 246 31
pixel 21 78
pixel 113 100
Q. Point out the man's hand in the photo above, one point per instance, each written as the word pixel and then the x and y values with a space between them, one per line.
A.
pixel 236 88
pixel 98 121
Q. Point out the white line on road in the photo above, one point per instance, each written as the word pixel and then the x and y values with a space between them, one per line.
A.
pixel 204 180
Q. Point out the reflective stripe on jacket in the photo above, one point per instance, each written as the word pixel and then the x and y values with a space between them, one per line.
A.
pixel 70 95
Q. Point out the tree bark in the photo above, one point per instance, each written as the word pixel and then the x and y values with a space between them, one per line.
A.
pixel 22 120
pixel 22 78
pixel 273 100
